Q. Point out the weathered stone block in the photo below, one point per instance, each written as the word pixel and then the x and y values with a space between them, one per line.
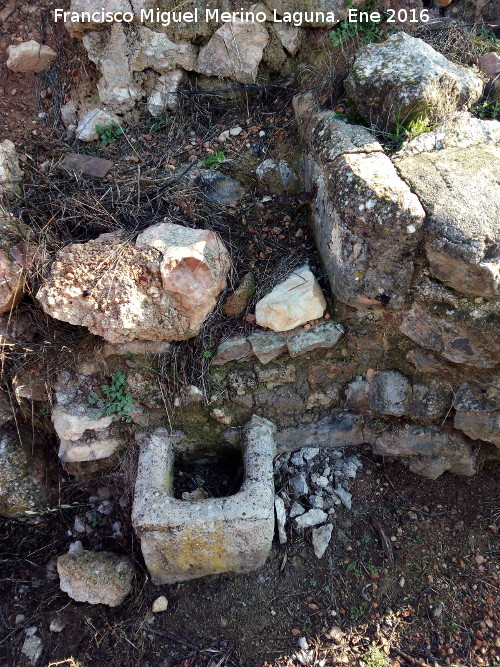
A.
pixel 183 539
pixel 396 80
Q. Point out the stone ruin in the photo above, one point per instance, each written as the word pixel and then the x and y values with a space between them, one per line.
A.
pixel 408 364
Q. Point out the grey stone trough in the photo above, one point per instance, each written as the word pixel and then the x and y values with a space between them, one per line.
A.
pixel 186 539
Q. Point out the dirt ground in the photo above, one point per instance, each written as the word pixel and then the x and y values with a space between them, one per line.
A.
pixel 436 604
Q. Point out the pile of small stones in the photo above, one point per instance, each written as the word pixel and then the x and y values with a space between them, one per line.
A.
pixel 311 484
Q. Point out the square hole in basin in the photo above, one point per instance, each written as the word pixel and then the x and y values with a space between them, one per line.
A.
pixel 210 476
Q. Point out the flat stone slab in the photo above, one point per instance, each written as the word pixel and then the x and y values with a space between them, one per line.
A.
pixel 324 335
pixel 85 164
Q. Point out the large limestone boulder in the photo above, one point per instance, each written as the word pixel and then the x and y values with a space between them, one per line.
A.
pixel 404 77
pixel 22 474
pixel 293 302
pixel 235 51
pixel 97 577
pixel 460 191
pixel 367 222
pixel 14 258
pixel 30 57
pixel 10 171
pixel 160 288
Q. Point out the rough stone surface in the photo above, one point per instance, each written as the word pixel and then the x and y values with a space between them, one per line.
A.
pixel 311 518
pixel 234 51
pixel 30 57
pixel 162 288
pixel 278 177
pixel 109 50
pixel 322 336
pixel 460 191
pixel 293 302
pixel 14 258
pixel 86 130
pixel 10 171
pixel 22 474
pixel 430 401
pixel 97 577
pixel 279 507
pixel 339 429
pixel 404 77
pixel 165 95
pixel 217 187
pixel 367 224
pixel 267 346
pixel 428 450
pixel 462 331
pixel 321 539
pixel 462 131
pixel 183 540
pixel 236 304
pixel 233 350
pixel 156 51
pixel 390 393
pixel 477 411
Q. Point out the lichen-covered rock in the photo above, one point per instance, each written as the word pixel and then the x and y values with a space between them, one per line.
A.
pixel 10 171
pixel 322 336
pixel 87 127
pixel 293 302
pixel 403 77
pixel 161 288
pixel 218 187
pixel 235 51
pixel 22 474
pixel 30 57
pixel 477 411
pixel 366 221
pixel 97 577
pixel 14 259
pixel 428 450
pixel 461 330
pixel 460 191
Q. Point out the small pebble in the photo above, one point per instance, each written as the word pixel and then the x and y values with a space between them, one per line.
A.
pixel 159 605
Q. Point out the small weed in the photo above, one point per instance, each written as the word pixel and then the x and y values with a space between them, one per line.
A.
pixel 213 161
pixel 109 134
pixel 208 354
pixel 112 399
pixel 44 410
pixel 374 571
pixel 367 32
pixel 488 109
pixel 356 612
pixel 407 128
pixel 375 657
pixel 156 124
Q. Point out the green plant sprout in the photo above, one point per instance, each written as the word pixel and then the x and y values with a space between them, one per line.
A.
pixel 112 399
pixel 109 134
pixel 213 161
pixel 368 32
